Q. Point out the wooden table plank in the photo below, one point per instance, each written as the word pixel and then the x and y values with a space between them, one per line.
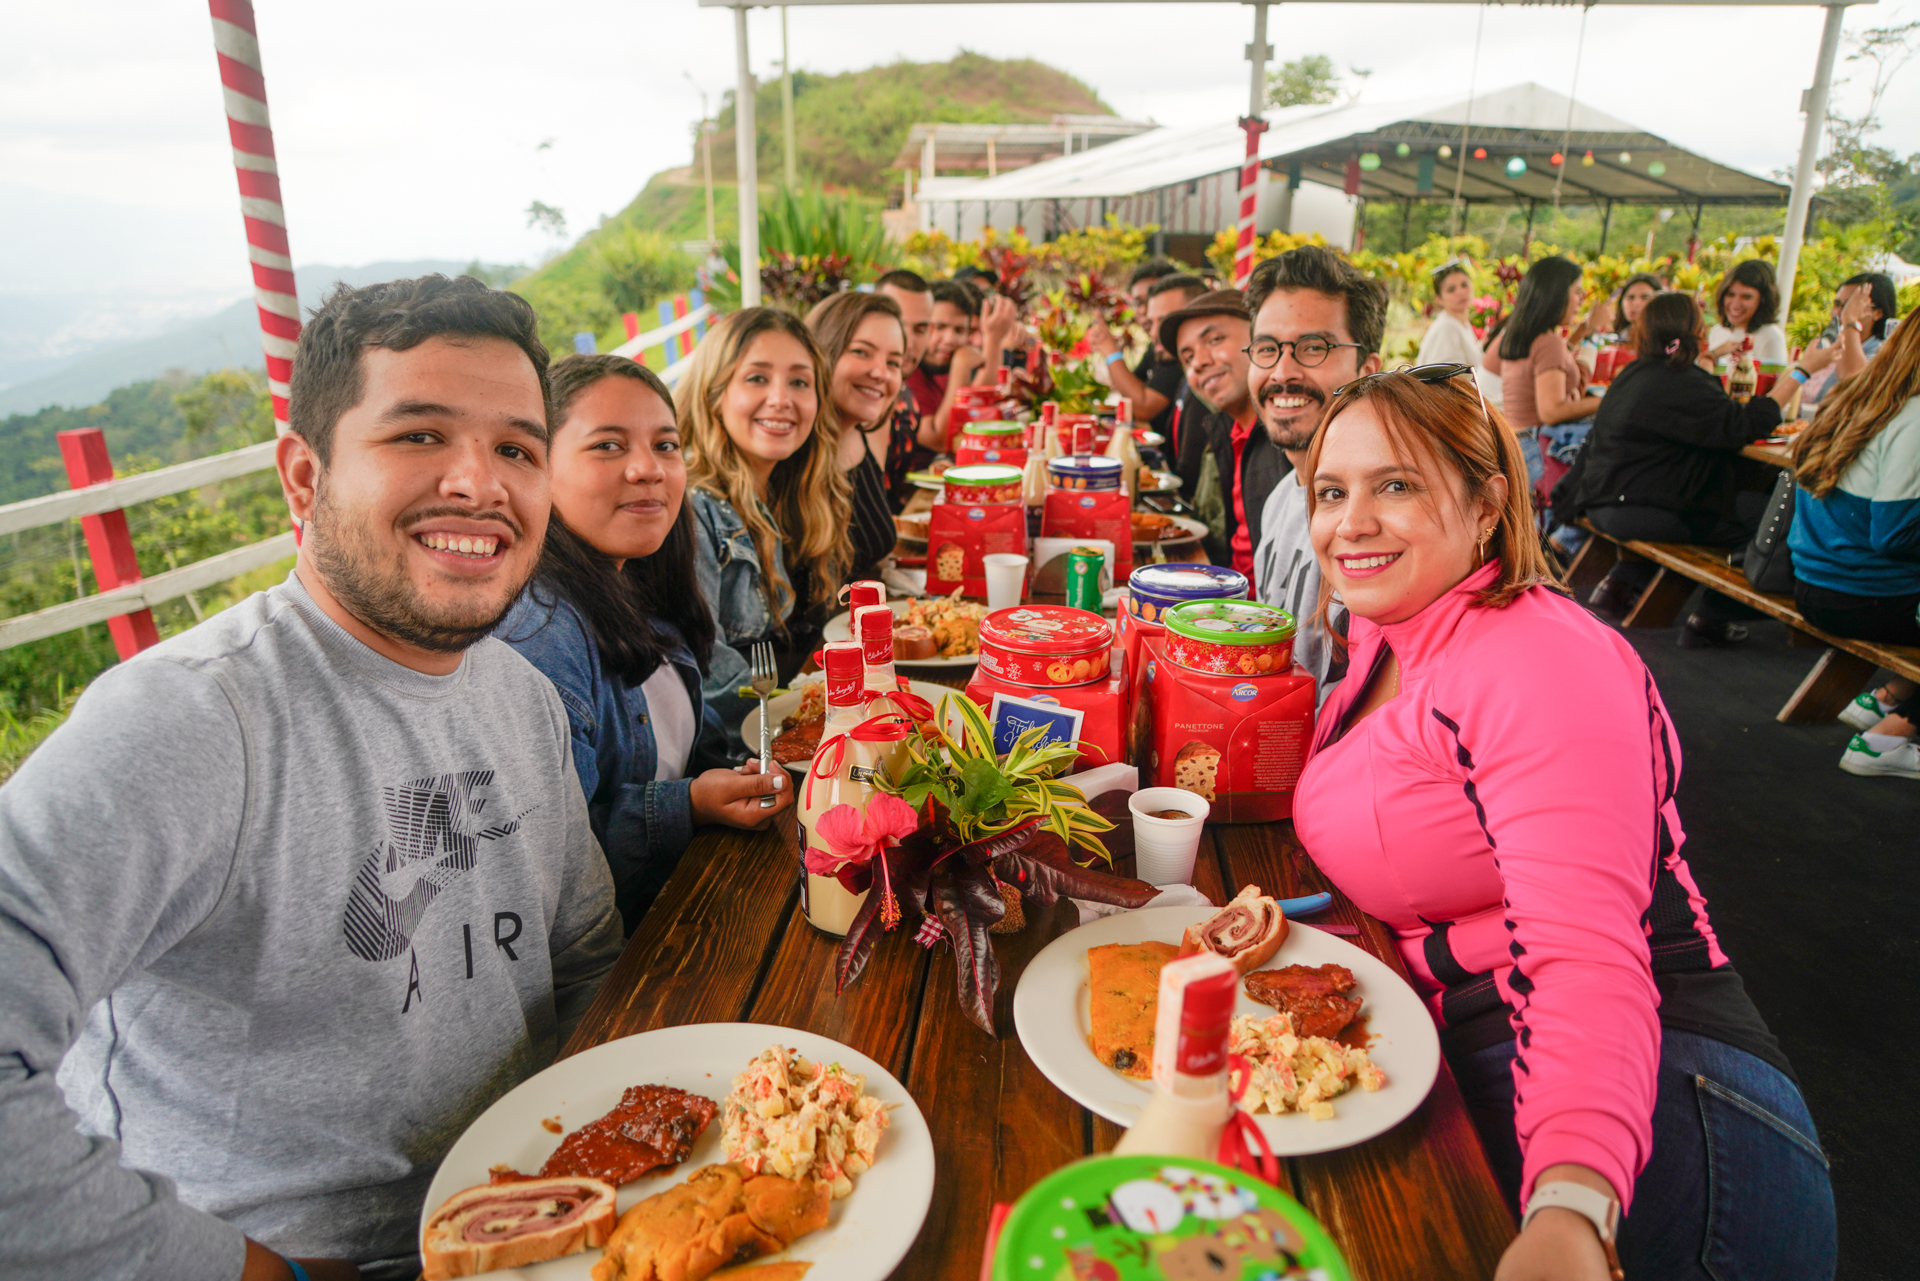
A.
pixel 999 1126
pixel 1420 1193
pixel 699 953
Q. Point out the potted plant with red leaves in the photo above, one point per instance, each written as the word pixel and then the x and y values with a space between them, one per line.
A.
pixel 988 828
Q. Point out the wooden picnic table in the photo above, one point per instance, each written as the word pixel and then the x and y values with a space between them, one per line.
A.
pixel 726 942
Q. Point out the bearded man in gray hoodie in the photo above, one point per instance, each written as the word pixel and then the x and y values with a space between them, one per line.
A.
pixel 293 896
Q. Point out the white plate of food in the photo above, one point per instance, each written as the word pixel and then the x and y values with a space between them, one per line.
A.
pixel 911 530
pixel 868 1231
pixel 954 625
pixel 1053 1014
pixel 1176 531
pixel 782 708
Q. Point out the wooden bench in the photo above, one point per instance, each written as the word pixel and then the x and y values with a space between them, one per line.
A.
pixel 1839 674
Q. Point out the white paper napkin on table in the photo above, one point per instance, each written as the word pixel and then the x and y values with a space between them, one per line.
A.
pixel 1169 896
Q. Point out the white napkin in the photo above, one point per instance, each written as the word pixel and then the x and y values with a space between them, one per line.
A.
pixel 902 581
pixel 1169 896
pixel 1117 777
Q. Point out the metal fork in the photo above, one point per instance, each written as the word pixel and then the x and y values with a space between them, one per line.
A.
pixel 765 677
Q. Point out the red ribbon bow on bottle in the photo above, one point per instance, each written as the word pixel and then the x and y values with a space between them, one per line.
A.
pixel 1243 1133
pixel 888 727
pixel 907 701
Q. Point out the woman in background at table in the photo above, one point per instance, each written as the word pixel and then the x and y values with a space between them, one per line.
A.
pixel 1604 1045
pixel 1661 461
pixel 1856 539
pixel 1629 303
pixel 1450 338
pixel 1748 305
pixel 1542 385
pixel 611 619
pixel 864 342
pixel 1863 307
pixel 766 487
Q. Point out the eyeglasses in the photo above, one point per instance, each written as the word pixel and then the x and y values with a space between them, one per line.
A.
pixel 1438 373
pixel 1308 353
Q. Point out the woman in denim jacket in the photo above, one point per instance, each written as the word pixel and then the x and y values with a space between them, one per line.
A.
pixel 609 618
pixel 771 505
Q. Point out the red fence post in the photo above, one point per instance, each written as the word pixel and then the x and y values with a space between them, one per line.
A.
pixel 109 543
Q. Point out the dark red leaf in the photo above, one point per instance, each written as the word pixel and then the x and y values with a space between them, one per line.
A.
pixel 988 848
pixel 851 957
pixel 978 895
pixel 976 969
pixel 1045 872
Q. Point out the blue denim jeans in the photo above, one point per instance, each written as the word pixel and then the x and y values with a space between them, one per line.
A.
pixel 1736 1188
pixel 1530 450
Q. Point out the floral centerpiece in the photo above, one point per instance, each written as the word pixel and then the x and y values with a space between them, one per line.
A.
pixel 962 837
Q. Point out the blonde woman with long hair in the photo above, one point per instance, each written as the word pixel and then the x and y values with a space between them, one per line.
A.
pixel 767 493
pixel 1856 538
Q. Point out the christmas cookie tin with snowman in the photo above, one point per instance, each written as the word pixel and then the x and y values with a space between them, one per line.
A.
pixel 1156 1218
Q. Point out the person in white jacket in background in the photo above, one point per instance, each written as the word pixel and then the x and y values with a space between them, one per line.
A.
pixel 1450 339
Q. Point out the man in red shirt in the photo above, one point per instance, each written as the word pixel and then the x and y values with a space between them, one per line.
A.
pixel 1209 337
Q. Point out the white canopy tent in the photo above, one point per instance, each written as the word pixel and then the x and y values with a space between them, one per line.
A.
pixel 1813 104
pixel 1185 179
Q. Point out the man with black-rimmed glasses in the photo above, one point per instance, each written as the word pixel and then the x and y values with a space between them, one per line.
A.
pixel 1317 325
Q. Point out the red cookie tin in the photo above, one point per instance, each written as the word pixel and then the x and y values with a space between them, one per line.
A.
pixel 1042 645
pixel 1229 637
pixel 982 483
pixel 993 433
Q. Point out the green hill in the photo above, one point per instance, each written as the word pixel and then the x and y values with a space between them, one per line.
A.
pixel 848 128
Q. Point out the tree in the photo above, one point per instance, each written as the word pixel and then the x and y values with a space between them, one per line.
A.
pixel 1855 174
pixel 1309 79
pixel 637 267
pixel 226 409
pixel 548 219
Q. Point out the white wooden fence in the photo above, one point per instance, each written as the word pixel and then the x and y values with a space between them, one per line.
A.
pixel 174 583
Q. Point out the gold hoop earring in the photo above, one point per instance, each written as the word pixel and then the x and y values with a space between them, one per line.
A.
pixel 1480 548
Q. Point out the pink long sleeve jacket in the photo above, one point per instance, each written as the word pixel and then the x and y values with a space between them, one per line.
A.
pixel 1510 815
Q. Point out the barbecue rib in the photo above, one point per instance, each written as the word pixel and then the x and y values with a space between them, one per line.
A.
pixel 653 1127
pixel 1311 994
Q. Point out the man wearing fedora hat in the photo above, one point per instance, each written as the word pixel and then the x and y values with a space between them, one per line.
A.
pixel 1209 337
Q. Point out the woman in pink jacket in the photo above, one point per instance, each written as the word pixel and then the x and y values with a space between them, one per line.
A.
pixel 1495 780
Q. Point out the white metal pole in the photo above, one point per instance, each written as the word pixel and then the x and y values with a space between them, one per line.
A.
pixel 1257 53
pixel 1815 103
pixel 746 165
pixel 786 104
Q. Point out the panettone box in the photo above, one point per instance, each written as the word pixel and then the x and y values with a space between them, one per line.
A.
pixel 1070 513
pixel 959 535
pixel 1239 741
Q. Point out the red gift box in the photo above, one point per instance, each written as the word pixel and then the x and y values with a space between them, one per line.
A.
pixel 1078 513
pixel 960 534
pixel 1014 457
pixel 1104 703
pixel 1241 742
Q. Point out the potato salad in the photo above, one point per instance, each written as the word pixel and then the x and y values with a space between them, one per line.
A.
pixel 790 1116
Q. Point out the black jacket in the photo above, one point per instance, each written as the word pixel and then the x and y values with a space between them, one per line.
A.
pixel 1665 438
pixel 1262 465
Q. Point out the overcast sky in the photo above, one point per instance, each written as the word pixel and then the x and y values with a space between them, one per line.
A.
pixel 411 128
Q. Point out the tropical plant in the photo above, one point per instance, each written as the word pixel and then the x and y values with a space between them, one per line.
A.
pixel 1272 245
pixel 1104 250
pixel 797 282
pixel 810 223
pixel 998 828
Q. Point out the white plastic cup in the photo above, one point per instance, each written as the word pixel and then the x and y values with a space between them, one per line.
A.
pixel 1164 848
pixel 1006 579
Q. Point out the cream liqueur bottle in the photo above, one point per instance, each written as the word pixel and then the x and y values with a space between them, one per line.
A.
pixel 1189 1107
pixel 828 905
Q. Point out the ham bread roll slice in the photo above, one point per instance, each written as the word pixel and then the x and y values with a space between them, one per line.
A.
pixel 510 1225
pixel 1247 931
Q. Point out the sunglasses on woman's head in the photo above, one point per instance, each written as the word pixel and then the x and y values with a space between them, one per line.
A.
pixel 1437 373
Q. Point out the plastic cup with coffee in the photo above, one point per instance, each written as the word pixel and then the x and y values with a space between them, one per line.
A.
pixel 1166 833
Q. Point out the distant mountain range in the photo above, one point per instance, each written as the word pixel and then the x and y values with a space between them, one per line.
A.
pixel 228 338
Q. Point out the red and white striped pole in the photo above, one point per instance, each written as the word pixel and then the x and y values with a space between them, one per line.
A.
pixel 275 296
pixel 1249 201
pixel 1255 124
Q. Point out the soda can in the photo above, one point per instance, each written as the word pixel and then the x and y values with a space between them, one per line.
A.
pixel 1083 578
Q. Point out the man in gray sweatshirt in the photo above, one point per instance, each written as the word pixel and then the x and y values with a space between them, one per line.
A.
pixel 292 897
pixel 1317 325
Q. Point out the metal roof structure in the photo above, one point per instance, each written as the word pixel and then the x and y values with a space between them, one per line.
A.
pixel 1330 144
pixel 1000 147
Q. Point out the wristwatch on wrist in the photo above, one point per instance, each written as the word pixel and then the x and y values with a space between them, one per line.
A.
pixel 1597 1208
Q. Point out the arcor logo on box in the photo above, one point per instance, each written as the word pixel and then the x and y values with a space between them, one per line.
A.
pixel 1244 691
pixel 1087 502
pixel 1152 667
pixel 991 455
pixel 976 514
